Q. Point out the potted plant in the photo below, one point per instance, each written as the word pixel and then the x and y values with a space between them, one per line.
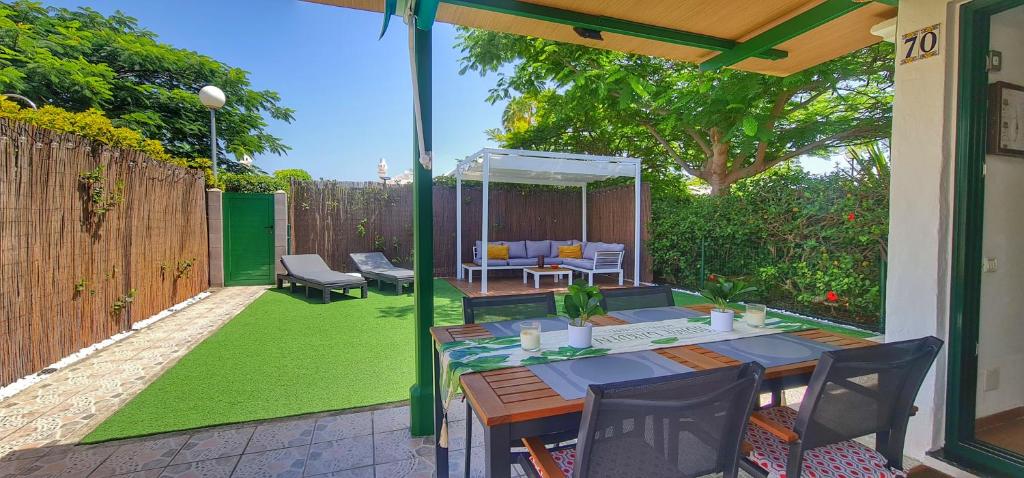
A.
pixel 581 304
pixel 721 290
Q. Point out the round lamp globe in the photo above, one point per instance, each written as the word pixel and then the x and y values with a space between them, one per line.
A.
pixel 212 97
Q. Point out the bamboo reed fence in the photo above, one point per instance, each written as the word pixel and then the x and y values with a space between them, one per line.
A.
pixel 333 219
pixel 74 274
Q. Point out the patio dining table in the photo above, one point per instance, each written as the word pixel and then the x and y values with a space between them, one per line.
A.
pixel 514 403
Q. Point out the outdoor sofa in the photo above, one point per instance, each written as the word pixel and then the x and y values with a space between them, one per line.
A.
pixel 374 266
pixel 310 270
pixel 598 257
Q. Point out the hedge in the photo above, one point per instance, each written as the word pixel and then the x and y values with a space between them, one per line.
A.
pixel 796 236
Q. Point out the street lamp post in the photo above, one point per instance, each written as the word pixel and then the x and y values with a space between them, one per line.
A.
pixel 213 98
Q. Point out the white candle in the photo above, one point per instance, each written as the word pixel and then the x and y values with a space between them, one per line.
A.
pixel 530 339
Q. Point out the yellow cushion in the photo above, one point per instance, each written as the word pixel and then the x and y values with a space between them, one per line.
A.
pixel 496 251
pixel 571 252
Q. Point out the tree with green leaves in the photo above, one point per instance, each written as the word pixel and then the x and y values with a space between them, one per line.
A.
pixel 81 59
pixel 719 126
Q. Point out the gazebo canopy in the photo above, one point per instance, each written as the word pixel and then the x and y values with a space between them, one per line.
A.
pixel 539 167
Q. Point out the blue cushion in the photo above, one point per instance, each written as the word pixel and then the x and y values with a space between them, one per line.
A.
pixel 523 261
pixel 538 248
pixel 552 260
pixel 555 245
pixel 590 248
pixel 516 249
pixel 581 263
pixel 492 262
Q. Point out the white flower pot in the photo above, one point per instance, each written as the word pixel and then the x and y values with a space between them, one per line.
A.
pixel 580 337
pixel 721 320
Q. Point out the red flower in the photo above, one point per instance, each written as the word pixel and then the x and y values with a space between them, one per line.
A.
pixel 832 296
pixel 851 217
pixel 712 278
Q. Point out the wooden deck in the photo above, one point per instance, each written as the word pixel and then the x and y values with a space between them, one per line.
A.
pixel 511 283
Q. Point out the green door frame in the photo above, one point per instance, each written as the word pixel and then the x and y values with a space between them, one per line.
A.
pixel 227 227
pixel 965 292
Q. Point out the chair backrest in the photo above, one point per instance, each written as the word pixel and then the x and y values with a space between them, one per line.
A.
pixel 625 298
pixel 689 424
pixel 863 391
pixel 370 261
pixel 304 263
pixel 608 260
pixel 507 307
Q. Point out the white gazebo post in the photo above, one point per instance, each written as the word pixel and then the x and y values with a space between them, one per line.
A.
pixel 458 224
pixel 636 225
pixel 484 256
pixel 584 212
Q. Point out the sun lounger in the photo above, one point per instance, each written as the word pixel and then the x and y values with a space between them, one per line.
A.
pixel 310 270
pixel 374 266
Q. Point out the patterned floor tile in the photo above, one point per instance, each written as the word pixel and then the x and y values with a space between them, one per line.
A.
pixel 457 435
pixel 413 468
pixel 364 472
pixel 214 444
pixel 14 467
pixel 336 427
pixel 337 455
pixel 75 462
pixel 140 456
pixel 153 473
pixel 281 463
pixel 281 435
pixel 399 445
pixel 216 468
pixel 390 419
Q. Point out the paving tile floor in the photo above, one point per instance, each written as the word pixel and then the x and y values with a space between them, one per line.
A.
pixel 354 444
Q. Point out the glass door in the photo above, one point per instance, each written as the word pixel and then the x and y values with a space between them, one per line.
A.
pixel 985 420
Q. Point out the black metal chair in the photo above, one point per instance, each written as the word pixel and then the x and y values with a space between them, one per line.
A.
pixel 626 298
pixel 852 393
pixel 689 424
pixel 477 310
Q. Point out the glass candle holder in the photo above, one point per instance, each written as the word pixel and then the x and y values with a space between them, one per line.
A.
pixel 755 315
pixel 529 335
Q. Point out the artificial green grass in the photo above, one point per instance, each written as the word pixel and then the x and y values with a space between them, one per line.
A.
pixel 287 355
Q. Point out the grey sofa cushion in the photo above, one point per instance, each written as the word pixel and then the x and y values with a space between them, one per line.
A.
pixel 303 263
pixel 492 262
pixel 581 263
pixel 556 244
pixel 523 261
pixel 516 249
pixel 553 260
pixel 538 248
pixel 592 248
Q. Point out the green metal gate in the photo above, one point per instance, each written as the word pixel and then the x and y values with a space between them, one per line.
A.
pixel 248 239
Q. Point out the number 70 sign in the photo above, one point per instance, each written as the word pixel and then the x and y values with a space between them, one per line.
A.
pixel 920 44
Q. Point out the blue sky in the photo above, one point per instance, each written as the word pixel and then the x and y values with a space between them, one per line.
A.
pixel 351 92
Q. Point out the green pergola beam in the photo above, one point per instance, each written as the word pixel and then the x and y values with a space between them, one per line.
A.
pixel 792 28
pixel 610 25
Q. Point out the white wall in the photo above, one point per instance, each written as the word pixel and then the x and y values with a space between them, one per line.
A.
pixel 1002 305
pixel 917 299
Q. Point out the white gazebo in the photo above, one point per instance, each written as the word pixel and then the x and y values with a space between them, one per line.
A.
pixel 541 167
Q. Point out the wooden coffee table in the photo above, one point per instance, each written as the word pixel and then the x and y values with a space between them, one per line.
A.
pixel 546 271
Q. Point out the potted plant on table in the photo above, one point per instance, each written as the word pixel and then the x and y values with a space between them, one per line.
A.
pixel 581 304
pixel 721 290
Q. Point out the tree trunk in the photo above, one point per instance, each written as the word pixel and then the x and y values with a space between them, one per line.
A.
pixel 716 169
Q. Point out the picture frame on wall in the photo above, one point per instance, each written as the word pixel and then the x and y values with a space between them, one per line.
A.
pixel 1006 119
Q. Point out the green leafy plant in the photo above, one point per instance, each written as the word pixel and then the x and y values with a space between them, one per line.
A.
pixel 80 286
pixel 361 227
pixel 184 268
pixel 582 303
pixel 122 303
pixel 721 290
pixel 101 201
pixel 251 183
